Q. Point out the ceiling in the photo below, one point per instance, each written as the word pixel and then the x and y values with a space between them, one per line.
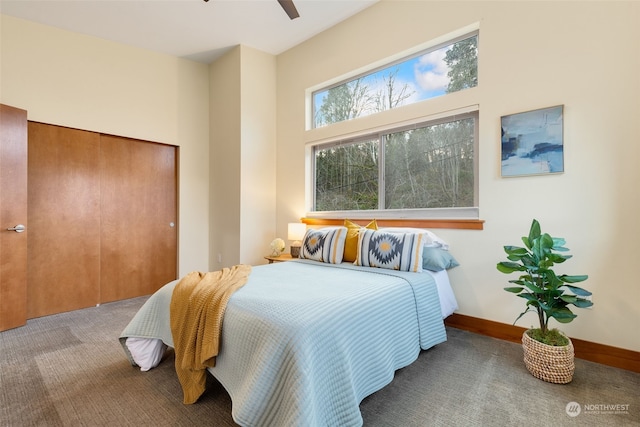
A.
pixel 193 29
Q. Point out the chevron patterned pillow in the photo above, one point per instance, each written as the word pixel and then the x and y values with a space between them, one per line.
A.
pixel 394 251
pixel 324 244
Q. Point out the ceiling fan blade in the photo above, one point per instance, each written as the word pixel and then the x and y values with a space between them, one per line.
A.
pixel 290 8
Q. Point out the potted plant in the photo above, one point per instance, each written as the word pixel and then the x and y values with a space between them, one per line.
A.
pixel 548 352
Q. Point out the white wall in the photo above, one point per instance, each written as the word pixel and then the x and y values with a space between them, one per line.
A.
pixel 82 82
pixel 584 55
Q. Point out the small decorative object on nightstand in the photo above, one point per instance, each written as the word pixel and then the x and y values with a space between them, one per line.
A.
pixel 277 247
pixel 295 232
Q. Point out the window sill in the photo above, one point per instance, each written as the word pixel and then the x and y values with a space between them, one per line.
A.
pixel 461 224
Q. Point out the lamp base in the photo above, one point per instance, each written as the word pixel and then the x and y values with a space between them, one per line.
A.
pixel 295 251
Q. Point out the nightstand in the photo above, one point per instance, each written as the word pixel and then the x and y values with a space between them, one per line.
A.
pixel 283 257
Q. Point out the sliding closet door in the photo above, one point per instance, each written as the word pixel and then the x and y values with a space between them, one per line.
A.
pixel 64 219
pixel 13 212
pixel 139 238
pixel 102 215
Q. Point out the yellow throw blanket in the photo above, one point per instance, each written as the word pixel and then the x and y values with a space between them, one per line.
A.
pixel 198 303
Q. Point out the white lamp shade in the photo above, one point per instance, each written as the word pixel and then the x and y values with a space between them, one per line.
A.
pixel 296 230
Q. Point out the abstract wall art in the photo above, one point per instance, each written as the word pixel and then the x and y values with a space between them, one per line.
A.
pixel 532 142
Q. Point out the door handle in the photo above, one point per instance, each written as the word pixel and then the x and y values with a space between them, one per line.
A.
pixel 18 228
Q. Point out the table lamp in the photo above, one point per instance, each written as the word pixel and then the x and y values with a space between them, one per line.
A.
pixel 295 232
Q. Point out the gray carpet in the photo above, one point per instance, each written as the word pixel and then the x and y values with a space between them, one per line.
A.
pixel 70 370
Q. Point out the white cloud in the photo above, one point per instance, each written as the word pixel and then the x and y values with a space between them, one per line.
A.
pixel 431 71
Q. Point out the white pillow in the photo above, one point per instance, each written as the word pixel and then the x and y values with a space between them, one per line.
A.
pixel 146 352
pixel 431 239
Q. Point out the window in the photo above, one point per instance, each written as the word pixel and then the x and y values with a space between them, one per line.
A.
pixel 417 168
pixel 446 68
pixel 425 166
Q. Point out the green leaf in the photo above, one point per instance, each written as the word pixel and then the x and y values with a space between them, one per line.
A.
pixel 554 293
pixel 534 231
pixel 529 297
pixel 546 242
pixel 529 261
pixel 578 291
pixel 515 251
pixel 574 279
pixel 569 298
pixel 553 282
pixel 509 267
pixel 533 288
pixel 514 289
pixel 524 283
pixel 558 258
pixel 545 306
pixel 562 315
pixel 582 303
pixel 558 244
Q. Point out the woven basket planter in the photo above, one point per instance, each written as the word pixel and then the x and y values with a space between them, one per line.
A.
pixel 549 363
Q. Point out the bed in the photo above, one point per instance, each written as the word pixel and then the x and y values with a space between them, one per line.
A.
pixel 303 342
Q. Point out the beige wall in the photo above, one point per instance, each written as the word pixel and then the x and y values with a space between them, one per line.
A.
pixel 258 184
pixel 83 82
pixel 225 84
pixel 242 157
pixel 584 55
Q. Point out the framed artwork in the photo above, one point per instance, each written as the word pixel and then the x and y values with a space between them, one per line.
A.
pixel 532 142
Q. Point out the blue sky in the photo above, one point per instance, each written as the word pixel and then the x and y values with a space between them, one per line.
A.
pixel 425 76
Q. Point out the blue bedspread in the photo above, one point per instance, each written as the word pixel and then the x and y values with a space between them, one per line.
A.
pixel 304 342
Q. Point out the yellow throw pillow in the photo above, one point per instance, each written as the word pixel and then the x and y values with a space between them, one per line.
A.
pixel 351 244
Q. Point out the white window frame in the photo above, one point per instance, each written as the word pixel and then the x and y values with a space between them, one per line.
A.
pixel 422 213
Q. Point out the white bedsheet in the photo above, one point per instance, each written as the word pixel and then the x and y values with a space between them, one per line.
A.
pixel 448 302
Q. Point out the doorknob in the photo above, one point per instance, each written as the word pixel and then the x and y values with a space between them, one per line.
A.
pixel 18 228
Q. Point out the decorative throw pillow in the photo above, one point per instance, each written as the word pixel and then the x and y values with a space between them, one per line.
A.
pixel 395 251
pixel 437 259
pixel 324 244
pixel 431 239
pixel 351 243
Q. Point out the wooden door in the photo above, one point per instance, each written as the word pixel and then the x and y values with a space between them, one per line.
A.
pixel 139 237
pixel 64 219
pixel 13 211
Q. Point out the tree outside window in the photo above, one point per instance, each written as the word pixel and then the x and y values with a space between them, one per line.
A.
pixel 429 166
